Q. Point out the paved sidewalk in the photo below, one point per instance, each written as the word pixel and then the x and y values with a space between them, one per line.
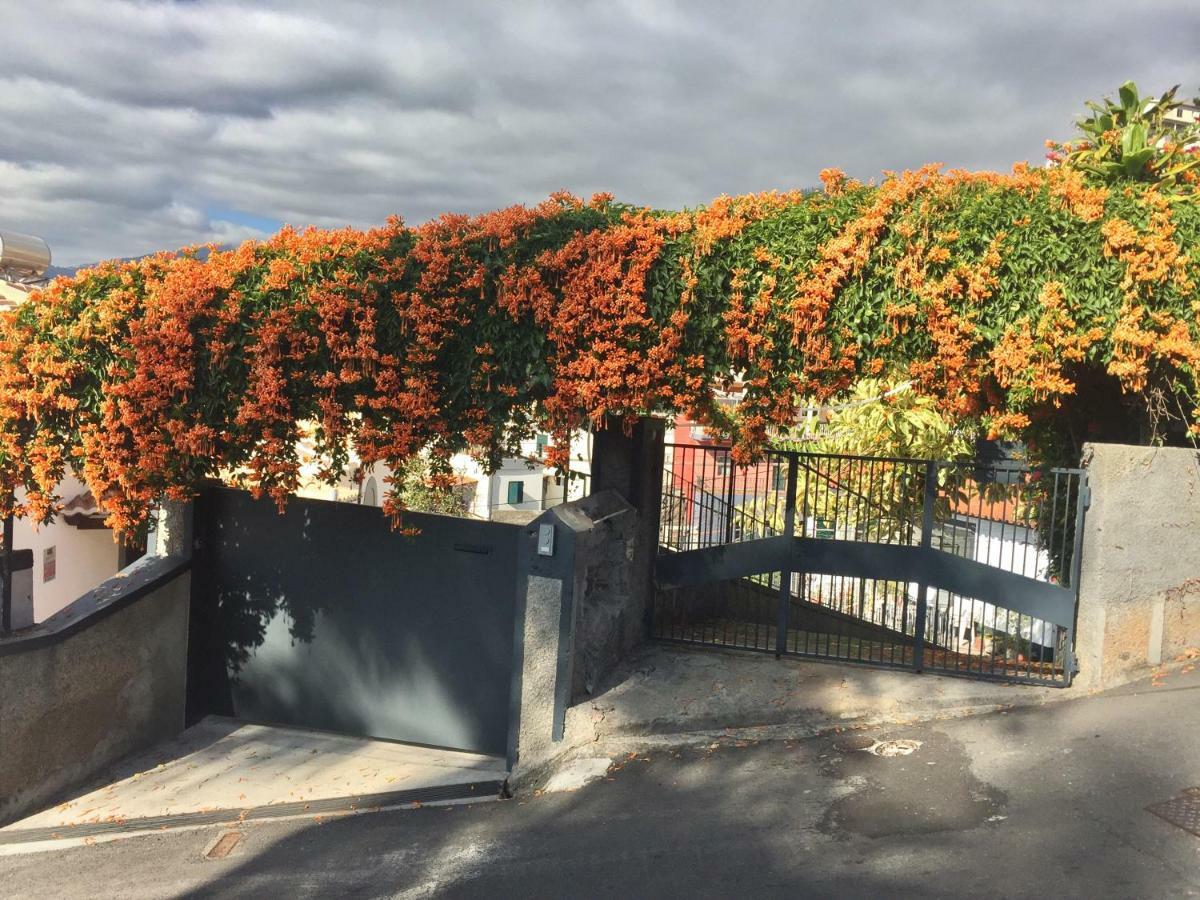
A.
pixel 222 770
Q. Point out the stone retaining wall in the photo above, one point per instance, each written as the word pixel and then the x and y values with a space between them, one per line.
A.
pixel 75 700
pixel 101 678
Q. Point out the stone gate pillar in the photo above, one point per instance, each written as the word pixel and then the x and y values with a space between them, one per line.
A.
pixel 632 465
pixel 1139 589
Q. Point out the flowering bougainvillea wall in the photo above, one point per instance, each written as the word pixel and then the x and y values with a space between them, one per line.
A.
pixel 998 294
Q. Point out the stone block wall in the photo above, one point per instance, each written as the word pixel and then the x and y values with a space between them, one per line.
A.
pixel 1139 602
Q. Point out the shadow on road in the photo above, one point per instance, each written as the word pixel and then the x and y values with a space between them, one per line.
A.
pixel 1022 803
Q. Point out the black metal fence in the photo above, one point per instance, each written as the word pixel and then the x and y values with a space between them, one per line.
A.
pixel 1009 532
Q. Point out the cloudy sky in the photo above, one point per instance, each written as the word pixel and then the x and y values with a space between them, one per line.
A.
pixel 129 127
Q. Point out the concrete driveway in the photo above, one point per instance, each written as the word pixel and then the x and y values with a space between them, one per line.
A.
pixel 666 690
pixel 1034 802
pixel 226 771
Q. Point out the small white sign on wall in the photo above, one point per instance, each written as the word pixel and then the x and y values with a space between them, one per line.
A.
pixel 49 564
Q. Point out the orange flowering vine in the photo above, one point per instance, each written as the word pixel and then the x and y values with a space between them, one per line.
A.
pixel 994 292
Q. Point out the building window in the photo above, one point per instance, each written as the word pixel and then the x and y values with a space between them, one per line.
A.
pixel 516 492
pixel 543 441
pixel 49 564
pixel 724 464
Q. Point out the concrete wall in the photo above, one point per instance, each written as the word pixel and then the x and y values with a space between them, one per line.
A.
pixel 102 678
pixel 1139 599
pixel 72 705
pixel 540 649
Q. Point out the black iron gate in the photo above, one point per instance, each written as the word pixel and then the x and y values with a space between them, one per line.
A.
pixel 960 567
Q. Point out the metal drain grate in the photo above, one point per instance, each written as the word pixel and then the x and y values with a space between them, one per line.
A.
pixel 1182 811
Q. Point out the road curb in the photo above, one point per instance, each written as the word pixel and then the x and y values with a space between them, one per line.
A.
pixel 52 837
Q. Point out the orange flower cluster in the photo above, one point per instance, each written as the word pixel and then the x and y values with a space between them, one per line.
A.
pixel 840 259
pixel 1143 333
pixel 1030 359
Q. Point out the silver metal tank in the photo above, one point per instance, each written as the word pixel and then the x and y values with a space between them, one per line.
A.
pixel 23 255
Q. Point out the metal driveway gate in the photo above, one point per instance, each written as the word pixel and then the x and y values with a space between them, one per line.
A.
pixel 960 567
pixel 325 617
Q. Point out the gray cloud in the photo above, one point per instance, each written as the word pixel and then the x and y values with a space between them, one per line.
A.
pixel 129 127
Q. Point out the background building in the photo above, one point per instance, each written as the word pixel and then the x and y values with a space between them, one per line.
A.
pixel 58 561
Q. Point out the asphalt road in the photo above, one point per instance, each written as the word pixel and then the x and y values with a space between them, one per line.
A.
pixel 1040 802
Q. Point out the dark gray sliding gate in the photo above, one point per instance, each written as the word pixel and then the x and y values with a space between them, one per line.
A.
pixel 325 617
pixel 961 567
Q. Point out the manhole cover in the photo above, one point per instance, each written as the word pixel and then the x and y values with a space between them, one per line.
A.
pixel 851 744
pixel 1182 811
pixel 894 748
pixel 878 748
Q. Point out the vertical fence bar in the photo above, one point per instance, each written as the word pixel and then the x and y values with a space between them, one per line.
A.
pixel 785 576
pixel 1053 530
pixel 1082 502
pixel 6 601
pixel 931 473
pixel 730 478
pixel 1083 499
